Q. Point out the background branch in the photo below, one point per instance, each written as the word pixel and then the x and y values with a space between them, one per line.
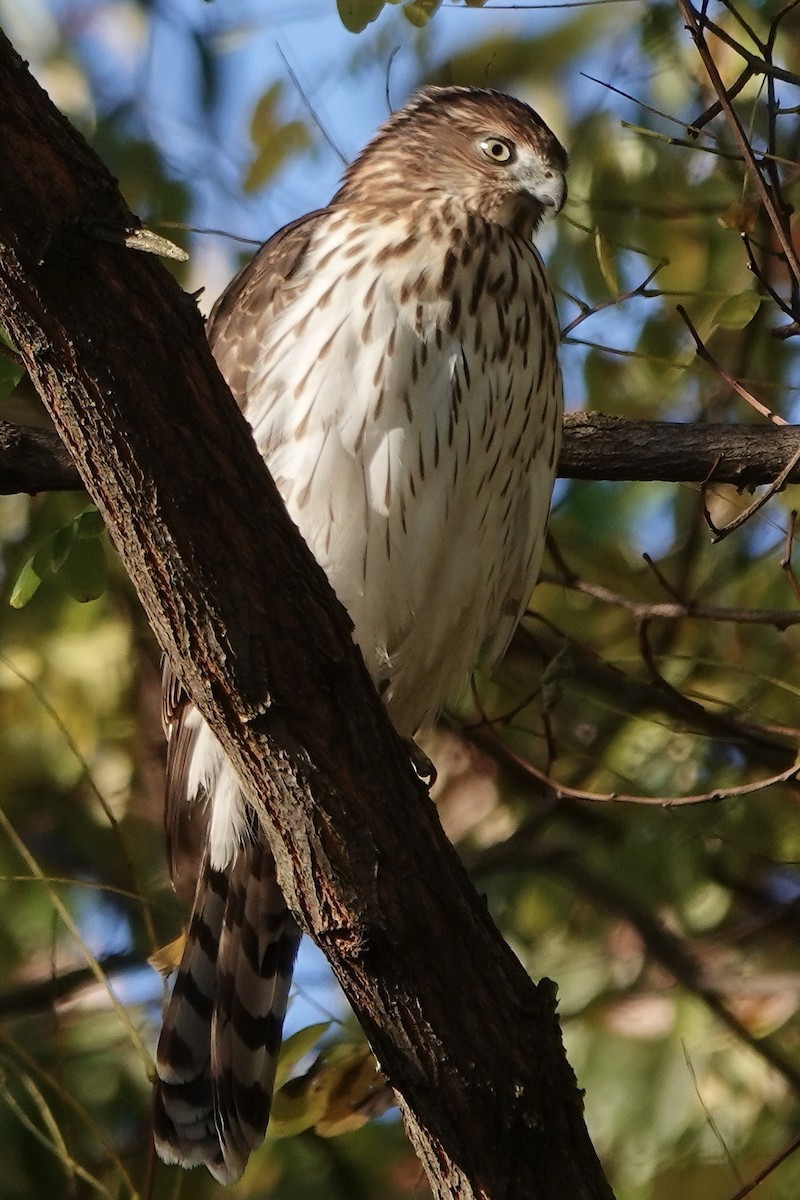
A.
pixel 596 446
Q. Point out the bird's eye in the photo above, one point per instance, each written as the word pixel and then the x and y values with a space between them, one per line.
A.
pixel 497 149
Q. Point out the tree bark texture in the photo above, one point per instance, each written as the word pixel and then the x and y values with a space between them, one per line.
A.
pixel 251 626
pixel 596 446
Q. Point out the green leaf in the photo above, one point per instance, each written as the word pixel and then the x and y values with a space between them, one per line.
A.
pixel 89 523
pixel 356 15
pixel 85 572
pixel 10 375
pixel 63 539
pixel 26 585
pixel 738 311
pixel 296 1046
pixel 32 573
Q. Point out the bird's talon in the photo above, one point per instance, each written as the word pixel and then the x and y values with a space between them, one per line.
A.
pixel 423 766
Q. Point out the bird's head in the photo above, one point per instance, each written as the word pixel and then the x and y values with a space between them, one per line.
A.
pixel 487 153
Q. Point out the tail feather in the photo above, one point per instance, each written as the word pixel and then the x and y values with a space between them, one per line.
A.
pixel 219 1044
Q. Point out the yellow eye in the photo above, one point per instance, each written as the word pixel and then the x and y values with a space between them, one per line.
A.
pixel 497 149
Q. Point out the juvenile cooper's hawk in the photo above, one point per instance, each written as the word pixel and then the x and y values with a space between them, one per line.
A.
pixel 396 356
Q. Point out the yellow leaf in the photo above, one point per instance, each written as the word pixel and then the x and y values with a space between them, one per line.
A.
pixel 740 216
pixel 299 1104
pixel 354 1080
pixel 167 958
pixel 296 1046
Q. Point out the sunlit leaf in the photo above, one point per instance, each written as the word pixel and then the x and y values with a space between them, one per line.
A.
pixel 299 1104
pixel 33 572
pixel 419 12
pixel 26 585
pixel 296 1047
pixel 355 1077
pixel 740 216
pixel 167 959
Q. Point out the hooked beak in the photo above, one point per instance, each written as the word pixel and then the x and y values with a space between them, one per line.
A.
pixel 552 193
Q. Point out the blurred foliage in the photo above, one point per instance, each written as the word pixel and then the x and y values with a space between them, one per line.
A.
pixel 671 929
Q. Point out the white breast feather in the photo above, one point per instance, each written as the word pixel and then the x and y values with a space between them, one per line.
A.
pixel 430 558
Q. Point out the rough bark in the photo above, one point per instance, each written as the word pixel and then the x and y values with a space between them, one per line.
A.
pixel 596 446
pixel 248 621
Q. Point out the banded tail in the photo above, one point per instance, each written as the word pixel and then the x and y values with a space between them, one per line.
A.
pixel 221 1035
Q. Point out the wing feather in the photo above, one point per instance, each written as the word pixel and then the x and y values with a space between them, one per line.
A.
pixel 253 299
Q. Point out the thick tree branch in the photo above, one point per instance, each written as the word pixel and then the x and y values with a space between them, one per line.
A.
pixel 596 446
pixel 248 621
pixel 599 447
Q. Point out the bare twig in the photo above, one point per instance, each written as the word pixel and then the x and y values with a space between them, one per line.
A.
pixel 587 311
pixel 678 611
pixel 786 557
pixel 693 25
pixel 717 151
pixel 771 1166
pixel 712 1124
pixel 753 266
pixel 662 579
pixel 561 791
pixel 707 357
pixel 775 487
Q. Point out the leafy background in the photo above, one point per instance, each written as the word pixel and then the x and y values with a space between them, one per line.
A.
pixel 671 929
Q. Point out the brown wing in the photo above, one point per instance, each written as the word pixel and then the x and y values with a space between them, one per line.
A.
pixel 253 299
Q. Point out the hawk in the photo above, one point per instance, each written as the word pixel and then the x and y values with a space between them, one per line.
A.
pixel 396 356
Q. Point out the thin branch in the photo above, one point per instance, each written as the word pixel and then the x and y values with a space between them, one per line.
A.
pixel 687 144
pixel 705 354
pixel 781 1157
pixel 786 557
pixel 678 611
pixel 776 486
pixel 709 1116
pixel 755 269
pixel 561 791
pixel 740 136
pixel 587 311
pixel 661 577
